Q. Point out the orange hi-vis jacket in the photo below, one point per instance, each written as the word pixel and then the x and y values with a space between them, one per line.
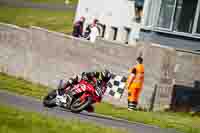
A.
pixel 135 83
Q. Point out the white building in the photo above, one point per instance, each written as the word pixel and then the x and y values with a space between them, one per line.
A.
pixel 169 22
pixel 117 15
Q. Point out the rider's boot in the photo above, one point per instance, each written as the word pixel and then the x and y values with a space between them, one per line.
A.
pixel 90 109
pixel 61 91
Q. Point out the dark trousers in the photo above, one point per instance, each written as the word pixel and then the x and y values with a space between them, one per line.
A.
pixel 132 105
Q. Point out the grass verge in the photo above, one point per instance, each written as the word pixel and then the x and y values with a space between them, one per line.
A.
pixel 47 1
pixel 180 121
pixel 73 2
pixel 16 121
pixel 60 21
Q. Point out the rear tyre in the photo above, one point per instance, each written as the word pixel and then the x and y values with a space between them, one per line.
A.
pixel 49 100
pixel 78 105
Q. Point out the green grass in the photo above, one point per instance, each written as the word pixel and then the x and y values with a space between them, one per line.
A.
pixel 16 121
pixel 60 21
pixel 74 2
pixel 180 121
pixel 22 87
pixel 46 1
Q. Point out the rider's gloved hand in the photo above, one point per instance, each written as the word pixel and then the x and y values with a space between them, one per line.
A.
pixel 71 82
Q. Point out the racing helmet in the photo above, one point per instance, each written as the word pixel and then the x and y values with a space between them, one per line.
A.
pixel 106 75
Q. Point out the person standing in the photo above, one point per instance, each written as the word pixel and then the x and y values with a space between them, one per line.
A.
pixel 78 28
pixel 94 31
pixel 135 83
pixel 139 10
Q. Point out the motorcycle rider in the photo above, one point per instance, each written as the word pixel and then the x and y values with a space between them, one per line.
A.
pixel 98 79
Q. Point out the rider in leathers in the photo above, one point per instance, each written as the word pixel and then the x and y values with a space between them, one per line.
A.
pixel 97 79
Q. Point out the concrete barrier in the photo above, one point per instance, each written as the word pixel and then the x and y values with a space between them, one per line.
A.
pixel 13 45
pixel 45 57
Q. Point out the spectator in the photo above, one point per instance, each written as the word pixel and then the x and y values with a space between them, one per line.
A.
pixel 87 32
pixel 78 28
pixel 94 31
pixel 138 9
pixel 89 27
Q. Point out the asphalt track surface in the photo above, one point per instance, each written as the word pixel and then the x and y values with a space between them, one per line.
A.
pixel 33 105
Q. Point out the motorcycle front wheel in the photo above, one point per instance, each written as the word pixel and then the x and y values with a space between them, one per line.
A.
pixel 49 100
pixel 78 105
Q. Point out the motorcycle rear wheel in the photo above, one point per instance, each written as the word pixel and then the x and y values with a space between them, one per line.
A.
pixel 78 105
pixel 49 100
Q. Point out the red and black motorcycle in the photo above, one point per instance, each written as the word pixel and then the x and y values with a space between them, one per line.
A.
pixel 76 98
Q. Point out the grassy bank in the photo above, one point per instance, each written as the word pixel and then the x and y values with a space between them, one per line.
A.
pixel 180 121
pixel 16 121
pixel 74 2
pixel 60 21
pixel 47 1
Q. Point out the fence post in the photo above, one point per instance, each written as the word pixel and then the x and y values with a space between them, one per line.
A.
pixel 153 98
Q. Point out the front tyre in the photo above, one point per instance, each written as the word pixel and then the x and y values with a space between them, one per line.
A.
pixel 50 100
pixel 78 105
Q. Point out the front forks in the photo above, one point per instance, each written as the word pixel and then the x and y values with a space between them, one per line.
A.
pixel 63 99
pixel 69 99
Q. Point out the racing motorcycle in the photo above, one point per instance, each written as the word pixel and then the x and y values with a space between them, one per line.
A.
pixel 76 98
